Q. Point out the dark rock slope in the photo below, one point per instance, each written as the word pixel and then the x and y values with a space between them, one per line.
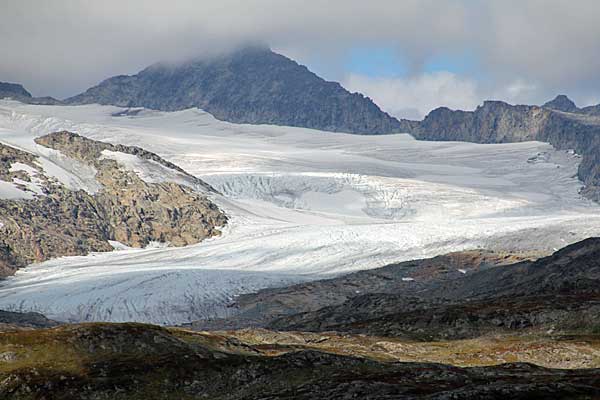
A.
pixel 406 278
pixel 253 85
pixel 60 221
pixel 456 296
pixel 134 361
pixel 557 294
pixel 499 122
pixel 17 92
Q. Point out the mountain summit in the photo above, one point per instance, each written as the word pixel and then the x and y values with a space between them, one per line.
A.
pixel 253 85
pixel 561 103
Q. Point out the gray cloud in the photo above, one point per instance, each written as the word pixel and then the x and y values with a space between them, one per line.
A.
pixel 61 47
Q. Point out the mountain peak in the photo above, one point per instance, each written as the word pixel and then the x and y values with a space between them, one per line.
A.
pixel 561 103
pixel 252 85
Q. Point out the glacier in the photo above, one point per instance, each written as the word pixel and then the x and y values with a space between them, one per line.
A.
pixel 303 204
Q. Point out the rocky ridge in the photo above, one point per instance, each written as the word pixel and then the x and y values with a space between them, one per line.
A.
pixel 53 220
pixel 500 122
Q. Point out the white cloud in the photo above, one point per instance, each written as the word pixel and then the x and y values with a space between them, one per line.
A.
pixel 414 97
pixel 518 91
pixel 61 47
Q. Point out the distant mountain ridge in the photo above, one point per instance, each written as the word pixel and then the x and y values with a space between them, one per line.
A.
pixel 253 85
pixel 500 122
pixel 17 92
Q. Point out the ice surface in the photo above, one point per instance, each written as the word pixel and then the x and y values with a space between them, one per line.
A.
pixel 303 204
pixel 10 191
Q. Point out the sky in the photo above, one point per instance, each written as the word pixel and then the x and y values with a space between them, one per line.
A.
pixel 409 56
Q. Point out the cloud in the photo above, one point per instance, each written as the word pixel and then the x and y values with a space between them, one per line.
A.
pixel 415 96
pixel 61 47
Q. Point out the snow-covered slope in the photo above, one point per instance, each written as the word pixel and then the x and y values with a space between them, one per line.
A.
pixel 302 204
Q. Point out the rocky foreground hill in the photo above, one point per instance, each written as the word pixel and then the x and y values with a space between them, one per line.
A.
pixel 101 193
pixel 134 361
pixel 253 85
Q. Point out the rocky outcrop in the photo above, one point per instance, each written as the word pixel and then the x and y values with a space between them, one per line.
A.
pixel 60 221
pixel 499 122
pixel 133 361
pixel 31 320
pixel 253 85
pixel 17 92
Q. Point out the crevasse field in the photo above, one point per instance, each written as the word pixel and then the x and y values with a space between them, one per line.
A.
pixel 303 204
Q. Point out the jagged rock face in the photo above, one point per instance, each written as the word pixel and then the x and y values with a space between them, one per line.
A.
pixel 10 155
pixel 499 122
pixel 17 92
pixel 63 222
pixel 494 122
pixel 254 85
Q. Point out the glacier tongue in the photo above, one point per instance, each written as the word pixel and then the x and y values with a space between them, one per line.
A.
pixel 303 204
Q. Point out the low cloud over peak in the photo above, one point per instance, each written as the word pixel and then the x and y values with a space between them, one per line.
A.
pixel 535 48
